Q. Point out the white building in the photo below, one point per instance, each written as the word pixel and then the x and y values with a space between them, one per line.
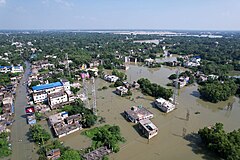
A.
pixel 57 98
pixel 164 105
pixel 40 93
pixel 121 90
pixel 149 61
pixel 111 78
pixel 148 128
pixel 39 97
pixel 47 65
pixel 66 85
pixel 13 69
pixel 137 113
pixel 57 118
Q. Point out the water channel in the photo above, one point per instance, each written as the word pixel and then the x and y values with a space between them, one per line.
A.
pixel 22 148
pixel 177 136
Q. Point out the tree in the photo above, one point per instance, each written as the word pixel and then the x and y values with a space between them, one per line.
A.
pixel 226 145
pixel 34 83
pixel 118 83
pixel 38 134
pixel 4 145
pixel 122 76
pixel 70 155
pixel 218 91
pixel 154 89
pixel 173 76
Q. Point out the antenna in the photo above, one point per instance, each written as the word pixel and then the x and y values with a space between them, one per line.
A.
pixel 176 87
pixel 94 106
pixel 85 93
pixel 68 65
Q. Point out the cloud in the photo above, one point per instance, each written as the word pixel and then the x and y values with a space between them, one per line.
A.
pixel 2 2
pixel 65 3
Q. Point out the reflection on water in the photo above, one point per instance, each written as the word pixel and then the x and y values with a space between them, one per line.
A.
pixel 177 137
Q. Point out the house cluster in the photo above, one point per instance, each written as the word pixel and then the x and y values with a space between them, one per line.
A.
pixel 42 64
pixel 192 62
pixel 142 116
pixel 12 69
pixel 202 77
pixel 151 62
pixel 7 108
pixel 55 94
pixel 164 105
pixel 124 90
pixel 62 124
pixel 97 154
pixel 7 103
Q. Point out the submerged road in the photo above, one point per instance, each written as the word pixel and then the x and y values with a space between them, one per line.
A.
pixel 22 148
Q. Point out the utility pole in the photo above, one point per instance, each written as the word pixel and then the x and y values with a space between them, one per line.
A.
pixel 187 115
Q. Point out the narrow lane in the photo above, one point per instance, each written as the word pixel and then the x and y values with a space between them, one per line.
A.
pixel 22 148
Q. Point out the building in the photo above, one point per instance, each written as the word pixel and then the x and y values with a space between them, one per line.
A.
pixel 164 105
pixel 31 119
pixel 62 124
pixel 50 91
pixel 148 128
pixel 66 84
pixel 111 78
pixel 57 98
pixel 137 113
pixel 13 69
pixel 149 61
pixel 135 85
pixel 53 154
pixel 97 154
pixel 121 90
pixel 182 81
pixel 7 102
pixel 40 96
pixel 57 118
pixel 5 69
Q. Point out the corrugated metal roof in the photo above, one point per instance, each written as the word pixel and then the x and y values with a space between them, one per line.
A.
pixel 47 86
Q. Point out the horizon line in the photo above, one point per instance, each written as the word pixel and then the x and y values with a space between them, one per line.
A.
pixel 206 30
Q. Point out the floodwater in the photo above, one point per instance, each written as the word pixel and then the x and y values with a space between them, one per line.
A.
pixel 177 136
pixel 22 148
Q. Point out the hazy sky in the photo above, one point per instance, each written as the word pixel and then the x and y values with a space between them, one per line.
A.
pixel 120 14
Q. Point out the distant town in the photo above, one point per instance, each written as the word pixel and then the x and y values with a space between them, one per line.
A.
pixel 116 94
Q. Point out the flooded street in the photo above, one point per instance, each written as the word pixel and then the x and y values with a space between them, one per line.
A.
pixel 22 149
pixel 176 138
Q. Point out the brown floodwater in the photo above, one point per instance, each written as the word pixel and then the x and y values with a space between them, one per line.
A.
pixel 177 136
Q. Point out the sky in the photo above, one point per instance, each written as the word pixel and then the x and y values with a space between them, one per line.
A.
pixel 120 14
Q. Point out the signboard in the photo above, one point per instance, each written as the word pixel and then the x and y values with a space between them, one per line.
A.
pixel 29 110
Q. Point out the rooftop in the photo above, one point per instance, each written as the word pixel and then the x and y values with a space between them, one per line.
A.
pixel 57 94
pixel 138 112
pixel 47 86
pixel 148 125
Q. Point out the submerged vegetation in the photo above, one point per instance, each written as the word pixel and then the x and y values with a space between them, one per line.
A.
pixel 218 91
pixel 154 89
pixel 106 135
pixel 226 145
pixel 38 134
pixel 88 118
pixel 4 145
